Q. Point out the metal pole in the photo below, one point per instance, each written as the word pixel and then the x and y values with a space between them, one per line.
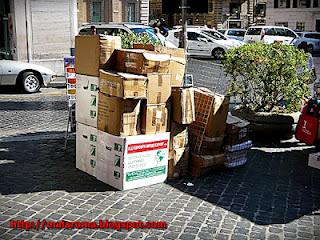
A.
pixel 184 24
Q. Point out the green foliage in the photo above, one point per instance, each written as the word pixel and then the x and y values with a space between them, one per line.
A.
pixel 269 78
pixel 127 40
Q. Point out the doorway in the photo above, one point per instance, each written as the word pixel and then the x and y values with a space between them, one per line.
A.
pixel 5 50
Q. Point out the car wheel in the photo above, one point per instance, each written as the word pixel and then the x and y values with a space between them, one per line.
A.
pixel 30 82
pixel 218 53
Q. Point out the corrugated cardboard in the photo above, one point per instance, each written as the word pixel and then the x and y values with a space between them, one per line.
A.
pixel 124 85
pixel 217 121
pixel 132 162
pixel 159 88
pixel 86 149
pixel 212 146
pixel 173 52
pixel 204 161
pixel 139 61
pixel 178 136
pixel 314 160
pixel 87 100
pixel 177 70
pixel 154 119
pixel 236 131
pixel 92 52
pixel 179 163
pixel 183 105
pixel 118 116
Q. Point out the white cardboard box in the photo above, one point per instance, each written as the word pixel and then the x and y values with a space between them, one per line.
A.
pixel 314 160
pixel 86 149
pixel 134 161
pixel 87 100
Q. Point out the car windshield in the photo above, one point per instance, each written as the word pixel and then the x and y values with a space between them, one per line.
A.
pixel 221 31
pixel 214 35
pixel 149 31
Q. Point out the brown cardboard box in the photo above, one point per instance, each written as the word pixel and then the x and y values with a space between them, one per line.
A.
pixel 159 88
pixel 177 70
pixel 179 136
pixel 124 85
pixel 217 121
pixel 93 52
pixel 202 164
pixel 139 61
pixel 179 164
pixel 236 131
pixel 314 160
pixel 211 146
pixel 173 52
pixel 154 119
pixel 118 116
pixel 183 105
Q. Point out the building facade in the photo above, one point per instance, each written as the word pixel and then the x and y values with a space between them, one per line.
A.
pixel 219 14
pixel 296 14
pixel 38 31
pixel 90 11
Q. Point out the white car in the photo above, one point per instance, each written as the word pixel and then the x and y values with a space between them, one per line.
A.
pixel 269 34
pixel 233 33
pixel 203 43
pixel 25 75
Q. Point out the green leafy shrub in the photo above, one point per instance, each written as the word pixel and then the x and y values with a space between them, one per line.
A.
pixel 268 78
pixel 128 39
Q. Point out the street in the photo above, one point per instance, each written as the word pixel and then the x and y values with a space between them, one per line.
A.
pixel 275 196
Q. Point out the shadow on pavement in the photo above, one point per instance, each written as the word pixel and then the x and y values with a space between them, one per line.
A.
pixel 33 105
pixel 35 166
pixel 273 188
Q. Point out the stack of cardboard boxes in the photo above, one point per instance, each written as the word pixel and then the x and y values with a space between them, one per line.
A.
pixel 237 142
pixel 122 114
pixel 208 131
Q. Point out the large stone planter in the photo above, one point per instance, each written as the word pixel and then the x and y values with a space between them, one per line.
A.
pixel 267 125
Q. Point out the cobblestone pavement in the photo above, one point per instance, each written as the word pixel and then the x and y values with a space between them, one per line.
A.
pixel 42 112
pixel 275 196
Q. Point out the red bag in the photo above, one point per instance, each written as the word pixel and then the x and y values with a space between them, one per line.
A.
pixel 307 129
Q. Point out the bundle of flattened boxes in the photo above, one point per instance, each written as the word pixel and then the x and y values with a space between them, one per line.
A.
pixel 122 110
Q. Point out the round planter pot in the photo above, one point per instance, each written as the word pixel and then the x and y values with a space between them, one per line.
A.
pixel 267 125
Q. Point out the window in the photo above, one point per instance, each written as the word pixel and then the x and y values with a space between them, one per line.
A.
pixel 132 12
pixel 318 25
pixel 213 35
pixel 269 31
pixel 193 36
pixel 312 35
pixel 254 31
pixel 315 3
pixel 295 4
pixel 300 26
pixel 96 11
pixel 281 3
pixel 281 24
pixel 304 3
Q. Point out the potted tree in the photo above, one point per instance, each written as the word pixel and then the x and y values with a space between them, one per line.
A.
pixel 269 82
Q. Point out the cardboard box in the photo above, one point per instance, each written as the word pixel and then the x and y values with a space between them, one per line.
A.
pixel 217 121
pixel 177 70
pixel 211 146
pixel 236 159
pixel 159 88
pixel 154 119
pixel 124 85
pixel 178 136
pixel 183 105
pixel 179 163
pixel 86 149
pixel 173 52
pixel 118 116
pixel 132 162
pixel 139 61
pixel 314 160
pixel 203 161
pixel 87 100
pixel 236 131
pixel 92 52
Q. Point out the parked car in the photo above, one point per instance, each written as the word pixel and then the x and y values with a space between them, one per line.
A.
pixel 27 76
pixel 233 33
pixel 219 36
pixel 201 44
pixel 118 28
pixel 311 38
pixel 270 34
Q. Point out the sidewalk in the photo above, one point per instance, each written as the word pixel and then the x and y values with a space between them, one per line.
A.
pixel 275 196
